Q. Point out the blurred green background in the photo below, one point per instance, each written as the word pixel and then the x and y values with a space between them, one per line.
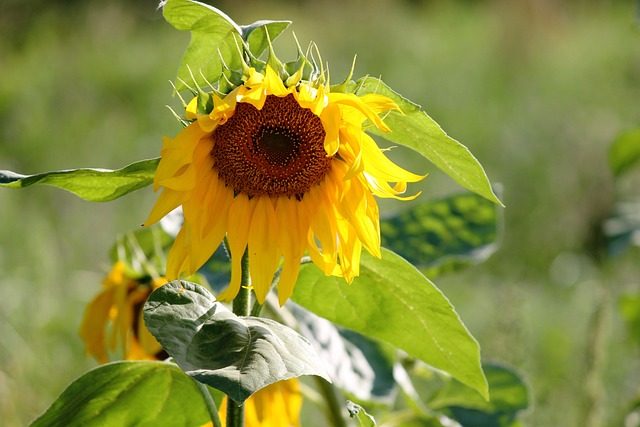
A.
pixel 537 89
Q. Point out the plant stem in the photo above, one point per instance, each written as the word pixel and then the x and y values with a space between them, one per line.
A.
pixel 211 405
pixel 334 408
pixel 241 307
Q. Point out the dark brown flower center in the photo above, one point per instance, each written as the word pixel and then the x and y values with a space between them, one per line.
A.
pixel 275 151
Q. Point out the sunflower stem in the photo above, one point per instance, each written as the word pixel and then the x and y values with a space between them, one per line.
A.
pixel 211 405
pixel 334 409
pixel 241 307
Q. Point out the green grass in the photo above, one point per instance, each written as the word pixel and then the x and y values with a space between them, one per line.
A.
pixel 536 92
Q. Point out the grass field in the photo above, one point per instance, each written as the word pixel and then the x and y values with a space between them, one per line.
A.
pixel 536 89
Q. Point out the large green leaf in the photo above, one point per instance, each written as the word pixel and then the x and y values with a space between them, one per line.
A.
pixel 392 301
pixel 126 394
pixel 413 128
pixel 625 152
pixel 237 355
pixel 95 185
pixel 445 234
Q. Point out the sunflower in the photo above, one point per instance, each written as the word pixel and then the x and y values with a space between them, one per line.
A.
pixel 117 310
pixel 280 168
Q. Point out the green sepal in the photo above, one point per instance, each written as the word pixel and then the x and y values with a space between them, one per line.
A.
pixel 94 185
pixel 126 394
pixel 143 249
pixel 391 295
pixel 413 128
pixel 444 235
pixel 236 355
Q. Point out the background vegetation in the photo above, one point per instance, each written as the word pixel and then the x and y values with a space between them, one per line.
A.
pixel 536 89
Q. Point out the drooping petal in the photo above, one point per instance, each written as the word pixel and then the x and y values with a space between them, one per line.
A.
pixel 264 255
pixel 240 214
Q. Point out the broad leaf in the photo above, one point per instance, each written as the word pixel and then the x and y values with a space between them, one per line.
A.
pixel 95 185
pixel 392 301
pixel 359 366
pixel 129 393
pixel 625 152
pixel 413 128
pixel 356 411
pixel 211 35
pixel 445 234
pixel 237 355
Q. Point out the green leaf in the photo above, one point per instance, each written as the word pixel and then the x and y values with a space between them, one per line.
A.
pixel 257 40
pixel 358 365
pixel 444 235
pixel 356 411
pixel 508 394
pixel 94 185
pixel 126 394
pixel 392 301
pixel 237 355
pixel 624 152
pixel 413 128
pixel 211 37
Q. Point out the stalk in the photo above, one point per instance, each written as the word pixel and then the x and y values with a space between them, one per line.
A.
pixel 241 307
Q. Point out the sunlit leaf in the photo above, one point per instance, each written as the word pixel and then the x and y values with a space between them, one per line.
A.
pixel 444 235
pixel 211 34
pixel 356 411
pixel 95 185
pixel 126 394
pixel 357 365
pixel 624 152
pixel 413 128
pixel 237 355
pixel 392 301
pixel 508 397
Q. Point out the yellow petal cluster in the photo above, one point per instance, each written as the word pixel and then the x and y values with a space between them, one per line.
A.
pixel 332 221
pixel 115 316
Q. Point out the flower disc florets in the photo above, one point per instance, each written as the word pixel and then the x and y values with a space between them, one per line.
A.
pixel 275 151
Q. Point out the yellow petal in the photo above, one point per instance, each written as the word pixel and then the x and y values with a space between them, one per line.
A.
pixel 240 214
pixel 273 84
pixel 168 201
pixel 264 255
